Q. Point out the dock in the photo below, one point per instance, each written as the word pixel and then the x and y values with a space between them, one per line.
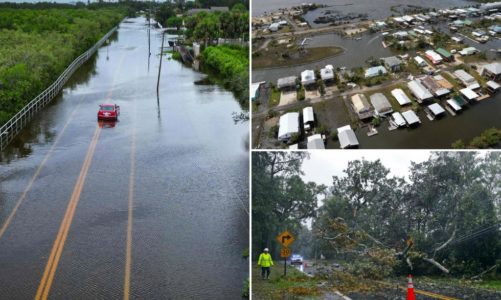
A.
pixel 372 131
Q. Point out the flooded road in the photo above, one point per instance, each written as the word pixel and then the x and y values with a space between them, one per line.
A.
pixel 152 207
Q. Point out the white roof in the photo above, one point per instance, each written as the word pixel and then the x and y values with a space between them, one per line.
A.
pixel 289 124
pixel 255 87
pixel 494 68
pixel 408 18
pixel 436 109
pixel 316 142
pixel 327 73
pixel 400 96
pixel 493 85
pixel 464 76
pixel 307 77
pixel 473 86
pixel 434 56
pixel 411 117
pixel 419 60
pixel 347 137
pixel 454 105
pixel 397 117
pixel 308 114
pixel 469 94
pixel 286 82
pixel 294 146
pixel 419 90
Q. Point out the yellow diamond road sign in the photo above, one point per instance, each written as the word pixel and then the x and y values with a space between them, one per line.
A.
pixel 285 252
pixel 285 238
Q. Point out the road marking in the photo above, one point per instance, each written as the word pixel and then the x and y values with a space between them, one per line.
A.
pixel 429 294
pixel 128 252
pixel 436 296
pixel 55 255
pixel 38 170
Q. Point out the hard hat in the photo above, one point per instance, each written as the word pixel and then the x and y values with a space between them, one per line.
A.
pixel 266 250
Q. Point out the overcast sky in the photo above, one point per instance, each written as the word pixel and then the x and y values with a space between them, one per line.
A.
pixel 323 164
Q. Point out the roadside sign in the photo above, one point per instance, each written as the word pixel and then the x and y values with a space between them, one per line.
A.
pixel 285 238
pixel 285 252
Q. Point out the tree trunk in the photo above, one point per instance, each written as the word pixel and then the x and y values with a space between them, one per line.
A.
pixel 436 264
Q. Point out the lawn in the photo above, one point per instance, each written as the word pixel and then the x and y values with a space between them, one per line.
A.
pixel 295 285
pixel 280 56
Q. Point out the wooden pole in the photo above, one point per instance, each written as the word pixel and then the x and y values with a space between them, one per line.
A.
pixel 160 66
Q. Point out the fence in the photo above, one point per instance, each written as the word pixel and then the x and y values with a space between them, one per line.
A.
pixel 10 129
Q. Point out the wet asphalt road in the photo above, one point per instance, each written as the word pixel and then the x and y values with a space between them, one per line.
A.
pixel 180 163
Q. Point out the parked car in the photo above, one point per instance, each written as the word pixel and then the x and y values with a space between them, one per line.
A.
pixel 108 112
pixel 296 259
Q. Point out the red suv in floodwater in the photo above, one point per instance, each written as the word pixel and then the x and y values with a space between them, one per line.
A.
pixel 108 112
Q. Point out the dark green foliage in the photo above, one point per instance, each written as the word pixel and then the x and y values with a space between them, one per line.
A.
pixel 281 199
pixel 208 27
pixel 38 44
pixel 442 206
pixel 231 64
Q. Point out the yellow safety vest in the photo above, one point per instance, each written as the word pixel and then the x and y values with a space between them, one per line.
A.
pixel 265 260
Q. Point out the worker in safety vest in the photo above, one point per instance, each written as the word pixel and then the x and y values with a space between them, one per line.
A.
pixel 265 262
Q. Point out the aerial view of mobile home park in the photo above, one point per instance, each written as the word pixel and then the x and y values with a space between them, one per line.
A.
pixel 376 74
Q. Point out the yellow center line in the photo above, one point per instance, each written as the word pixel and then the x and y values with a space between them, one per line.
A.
pixel 57 249
pixel 128 254
pixel 38 170
pixel 417 291
pixel 55 255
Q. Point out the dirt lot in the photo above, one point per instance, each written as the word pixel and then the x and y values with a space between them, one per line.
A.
pixel 288 97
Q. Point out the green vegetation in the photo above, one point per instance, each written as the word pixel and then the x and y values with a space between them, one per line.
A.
pixel 246 288
pixel 295 285
pixel 38 45
pixel 279 55
pixel 380 223
pixel 245 253
pixel 275 97
pixel 494 284
pixel 301 94
pixel 490 138
pixel 208 27
pixel 231 64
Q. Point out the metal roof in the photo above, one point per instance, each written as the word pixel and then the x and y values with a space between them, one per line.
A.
pixel 418 90
pixel 347 137
pixel 401 97
pixel 454 105
pixel 381 103
pixel 286 82
pixel 398 118
pixel 316 142
pixel 436 109
pixel 469 94
pixel 289 124
pixel 307 77
pixel 411 117
pixel 308 115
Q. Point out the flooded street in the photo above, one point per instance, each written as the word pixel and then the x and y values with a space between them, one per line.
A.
pixel 179 161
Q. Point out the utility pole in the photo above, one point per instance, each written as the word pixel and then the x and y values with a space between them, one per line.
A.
pixel 160 66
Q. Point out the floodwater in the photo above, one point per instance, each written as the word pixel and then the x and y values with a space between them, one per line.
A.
pixel 374 8
pixel 431 134
pixel 189 166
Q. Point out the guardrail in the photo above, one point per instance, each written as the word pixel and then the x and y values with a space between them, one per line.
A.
pixel 10 129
